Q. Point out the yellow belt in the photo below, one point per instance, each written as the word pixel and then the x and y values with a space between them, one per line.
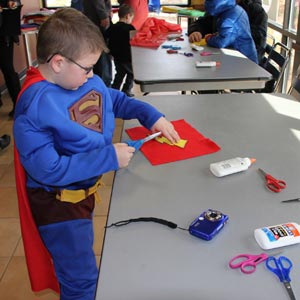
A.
pixel 75 196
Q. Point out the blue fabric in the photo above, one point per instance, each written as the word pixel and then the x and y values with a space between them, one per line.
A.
pixel 58 152
pixel 70 244
pixel 233 29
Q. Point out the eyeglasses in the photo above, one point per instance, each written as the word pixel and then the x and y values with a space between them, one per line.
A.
pixel 86 69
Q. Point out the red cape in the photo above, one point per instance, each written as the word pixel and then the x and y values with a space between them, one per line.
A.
pixel 39 263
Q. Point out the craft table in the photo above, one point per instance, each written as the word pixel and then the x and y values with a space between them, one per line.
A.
pixel 157 71
pixel 145 261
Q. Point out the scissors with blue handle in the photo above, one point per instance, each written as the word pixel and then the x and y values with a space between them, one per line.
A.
pixel 273 184
pixel 247 262
pixel 281 267
pixel 137 144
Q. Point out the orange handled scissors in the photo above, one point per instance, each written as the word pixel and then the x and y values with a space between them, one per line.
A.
pixel 273 184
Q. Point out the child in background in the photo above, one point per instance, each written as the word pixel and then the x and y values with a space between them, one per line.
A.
pixel 118 43
pixel 63 130
pixel 141 11
pixel 225 26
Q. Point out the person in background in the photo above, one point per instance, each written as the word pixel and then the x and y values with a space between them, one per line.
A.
pixel 9 34
pixel 226 25
pixel 258 20
pixel 77 4
pixel 141 11
pixel 100 12
pixel 118 43
pixel 63 131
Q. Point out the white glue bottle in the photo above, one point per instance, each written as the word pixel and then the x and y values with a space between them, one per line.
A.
pixel 231 166
pixel 277 235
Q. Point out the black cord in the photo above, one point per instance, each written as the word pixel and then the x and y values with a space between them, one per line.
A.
pixel 145 219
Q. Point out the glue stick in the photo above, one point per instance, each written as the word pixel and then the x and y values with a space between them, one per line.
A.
pixel 277 235
pixel 231 166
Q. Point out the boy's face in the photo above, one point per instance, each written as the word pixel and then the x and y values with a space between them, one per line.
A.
pixel 129 18
pixel 74 73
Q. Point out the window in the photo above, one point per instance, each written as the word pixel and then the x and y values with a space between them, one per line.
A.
pixel 294 17
pixel 162 2
pixel 56 3
pixel 276 10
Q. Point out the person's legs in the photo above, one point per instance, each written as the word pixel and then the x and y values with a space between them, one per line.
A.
pixel 70 244
pixel 67 231
pixel 7 67
pixel 103 68
pixel 127 87
pixel 119 76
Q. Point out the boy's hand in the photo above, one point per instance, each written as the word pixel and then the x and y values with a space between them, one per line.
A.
pixel 195 37
pixel 124 154
pixel 167 129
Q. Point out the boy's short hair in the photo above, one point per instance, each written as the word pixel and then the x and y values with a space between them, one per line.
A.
pixel 124 10
pixel 70 33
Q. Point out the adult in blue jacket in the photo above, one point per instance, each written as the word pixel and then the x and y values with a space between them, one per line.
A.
pixel 232 25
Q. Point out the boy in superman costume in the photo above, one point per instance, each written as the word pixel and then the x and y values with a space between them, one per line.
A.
pixel 63 129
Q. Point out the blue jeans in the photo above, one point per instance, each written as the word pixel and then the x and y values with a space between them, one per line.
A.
pixel 103 68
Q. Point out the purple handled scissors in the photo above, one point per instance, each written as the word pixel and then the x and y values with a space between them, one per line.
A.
pixel 247 262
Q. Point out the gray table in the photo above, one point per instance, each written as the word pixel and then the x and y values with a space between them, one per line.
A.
pixel 156 71
pixel 146 261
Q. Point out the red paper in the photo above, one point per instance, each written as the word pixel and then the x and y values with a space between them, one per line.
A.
pixel 158 153
pixel 153 33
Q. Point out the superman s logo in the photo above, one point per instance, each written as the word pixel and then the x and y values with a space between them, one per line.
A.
pixel 88 111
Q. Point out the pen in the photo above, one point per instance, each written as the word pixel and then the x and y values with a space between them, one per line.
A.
pixel 291 200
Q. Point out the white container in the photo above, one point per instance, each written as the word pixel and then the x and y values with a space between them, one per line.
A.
pixel 231 166
pixel 207 64
pixel 278 235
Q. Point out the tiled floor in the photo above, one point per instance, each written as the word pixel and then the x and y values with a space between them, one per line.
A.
pixel 14 281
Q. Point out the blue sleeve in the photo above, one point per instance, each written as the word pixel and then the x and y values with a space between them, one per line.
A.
pixel 225 36
pixel 128 108
pixel 44 162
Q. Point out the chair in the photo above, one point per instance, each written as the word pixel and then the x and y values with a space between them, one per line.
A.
pixel 276 64
pixel 270 42
pixel 295 86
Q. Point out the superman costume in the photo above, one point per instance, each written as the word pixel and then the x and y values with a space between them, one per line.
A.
pixel 63 142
